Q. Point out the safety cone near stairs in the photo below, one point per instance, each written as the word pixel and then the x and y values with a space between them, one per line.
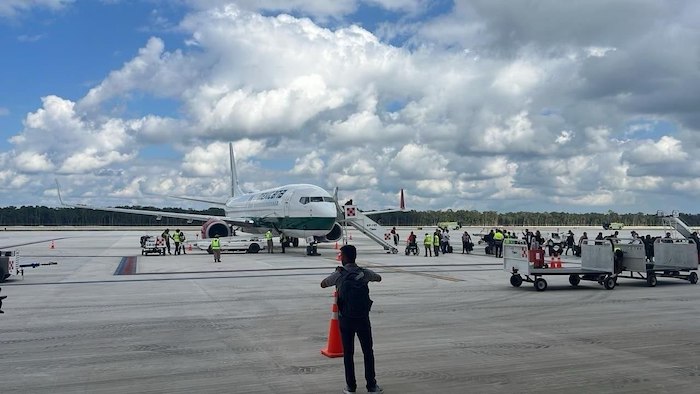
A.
pixel 189 247
pixel 53 245
pixel 336 244
pixel 334 347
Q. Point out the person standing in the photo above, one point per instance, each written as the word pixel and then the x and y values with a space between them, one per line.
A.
pixel 166 237
pixel 182 242
pixel 216 248
pixel 268 238
pixel 466 240
pixel 354 305
pixel 570 243
pixel 428 244
pixel 283 241
pixel 436 243
pixel 395 236
pixel 176 239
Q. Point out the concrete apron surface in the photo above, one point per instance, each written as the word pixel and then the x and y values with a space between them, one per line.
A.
pixel 257 323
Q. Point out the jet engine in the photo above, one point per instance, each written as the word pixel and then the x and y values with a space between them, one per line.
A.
pixel 332 236
pixel 214 227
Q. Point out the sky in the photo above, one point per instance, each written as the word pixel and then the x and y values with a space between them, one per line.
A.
pixel 504 105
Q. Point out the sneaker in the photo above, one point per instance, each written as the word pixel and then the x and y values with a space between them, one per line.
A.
pixel 376 389
pixel 348 390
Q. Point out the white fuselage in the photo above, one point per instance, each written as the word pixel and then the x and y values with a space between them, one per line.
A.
pixel 298 210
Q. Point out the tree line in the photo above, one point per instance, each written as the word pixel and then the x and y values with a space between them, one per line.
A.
pixel 63 216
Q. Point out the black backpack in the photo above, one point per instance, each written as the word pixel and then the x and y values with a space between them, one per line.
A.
pixel 353 294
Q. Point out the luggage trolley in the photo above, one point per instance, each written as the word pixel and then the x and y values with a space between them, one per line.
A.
pixel 673 258
pixel 597 264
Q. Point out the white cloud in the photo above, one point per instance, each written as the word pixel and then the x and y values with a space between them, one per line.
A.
pixel 10 8
pixel 479 104
pixel 666 149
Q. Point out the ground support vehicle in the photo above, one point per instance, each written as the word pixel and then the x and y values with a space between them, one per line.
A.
pixel 152 245
pixel 597 264
pixel 239 243
pixel 10 264
pixel 673 258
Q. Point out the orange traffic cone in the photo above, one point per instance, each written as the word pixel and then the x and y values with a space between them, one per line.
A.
pixel 336 244
pixel 189 247
pixel 555 262
pixel 53 245
pixel 350 237
pixel 334 347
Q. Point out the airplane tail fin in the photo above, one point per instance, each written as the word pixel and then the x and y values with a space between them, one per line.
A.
pixel 402 205
pixel 235 187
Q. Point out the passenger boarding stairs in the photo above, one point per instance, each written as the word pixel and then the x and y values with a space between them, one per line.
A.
pixel 675 222
pixel 369 227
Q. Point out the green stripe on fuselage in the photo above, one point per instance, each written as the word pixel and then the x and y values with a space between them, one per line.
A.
pixel 292 223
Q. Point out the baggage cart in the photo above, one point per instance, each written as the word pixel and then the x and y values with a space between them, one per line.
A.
pixel 597 264
pixel 673 258
pixel 152 245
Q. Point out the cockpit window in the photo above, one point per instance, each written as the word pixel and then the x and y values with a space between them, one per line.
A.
pixel 306 200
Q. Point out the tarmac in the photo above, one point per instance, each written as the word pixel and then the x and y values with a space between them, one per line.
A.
pixel 107 320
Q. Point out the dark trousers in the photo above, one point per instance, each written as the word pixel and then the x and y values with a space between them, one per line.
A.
pixel 348 328
pixel 437 250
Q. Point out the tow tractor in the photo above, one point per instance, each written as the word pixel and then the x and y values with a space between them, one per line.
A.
pixel 597 264
pixel 10 264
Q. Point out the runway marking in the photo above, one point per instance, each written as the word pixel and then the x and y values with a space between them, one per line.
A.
pixel 425 274
pixel 127 266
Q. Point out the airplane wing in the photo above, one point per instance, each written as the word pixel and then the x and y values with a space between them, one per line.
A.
pixel 243 222
pixel 370 213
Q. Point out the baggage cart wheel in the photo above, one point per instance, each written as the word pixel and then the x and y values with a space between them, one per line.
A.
pixel 693 278
pixel 574 280
pixel 651 280
pixel 609 283
pixel 540 284
pixel 516 280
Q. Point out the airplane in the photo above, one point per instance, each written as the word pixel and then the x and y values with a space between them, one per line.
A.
pixel 297 210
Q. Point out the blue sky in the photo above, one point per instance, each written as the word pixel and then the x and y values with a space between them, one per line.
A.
pixel 487 105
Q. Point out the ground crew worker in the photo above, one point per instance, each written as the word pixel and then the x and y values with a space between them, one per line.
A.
pixel 176 238
pixel 436 243
pixel 268 237
pixel 216 248
pixel 283 241
pixel 166 237
pixel 498 243
pixel 182 242
pixel 428 244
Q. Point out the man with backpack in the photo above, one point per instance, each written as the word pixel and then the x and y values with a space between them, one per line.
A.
pixel 354 305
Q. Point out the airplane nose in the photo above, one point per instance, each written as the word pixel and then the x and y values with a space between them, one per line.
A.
pixel 328 210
